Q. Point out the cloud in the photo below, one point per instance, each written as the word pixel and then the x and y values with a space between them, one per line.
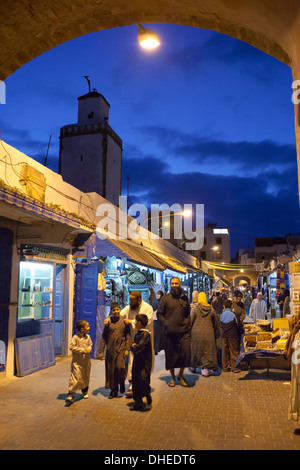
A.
pixel 23 140
pixel 224 50
pixel 245 156
pixel 240 202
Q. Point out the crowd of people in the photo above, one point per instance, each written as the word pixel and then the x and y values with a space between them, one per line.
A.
pixel 203 335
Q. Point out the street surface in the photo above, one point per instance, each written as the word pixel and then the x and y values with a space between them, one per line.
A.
pixel 246 411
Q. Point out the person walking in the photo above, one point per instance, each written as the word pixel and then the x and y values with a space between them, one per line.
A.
pixel 136 305
pixel 286 303
pixel 81 346
pixel 117 340
pixel 229 325
pixel 258 308
pixel 174 313
pixel 157 326
pixel 218 303
pixel 142 363
pixel 238 307
pixel 280 301
pixel 247 302
pixel 204 333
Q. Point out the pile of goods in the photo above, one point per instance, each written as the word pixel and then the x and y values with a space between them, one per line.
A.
pixel 264 335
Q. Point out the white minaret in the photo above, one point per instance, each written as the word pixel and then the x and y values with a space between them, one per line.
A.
pixel 90 155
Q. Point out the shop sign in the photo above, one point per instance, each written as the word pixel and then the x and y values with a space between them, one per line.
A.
pixel 43 253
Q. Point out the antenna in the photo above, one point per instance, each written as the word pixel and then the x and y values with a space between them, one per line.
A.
pixel 45 161
pixel 89 82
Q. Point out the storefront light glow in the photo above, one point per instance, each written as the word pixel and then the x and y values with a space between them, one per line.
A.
pixel 34 265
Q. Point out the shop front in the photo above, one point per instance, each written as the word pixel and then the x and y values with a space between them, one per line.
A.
pixel 108 270
pixel 43 313
pixel 6 242
pixel 108 273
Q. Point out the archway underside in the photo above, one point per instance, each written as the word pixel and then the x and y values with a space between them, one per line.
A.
pixel 31 27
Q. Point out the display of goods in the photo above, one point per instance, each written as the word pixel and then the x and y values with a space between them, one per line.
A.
pixel 263 322
pixel 251 328
pixel 250 338
pixel 263 325
pixel 264 336
pixel 250 344
pixel 281 323
pixel 284 334
pixel 281 344
pixel 265 345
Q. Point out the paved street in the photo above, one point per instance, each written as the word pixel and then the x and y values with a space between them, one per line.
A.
pixel 231 411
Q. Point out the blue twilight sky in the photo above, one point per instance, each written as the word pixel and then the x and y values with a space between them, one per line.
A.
pixel 204 119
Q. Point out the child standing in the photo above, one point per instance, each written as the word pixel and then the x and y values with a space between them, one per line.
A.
pixel 81 346
pixel 230 338
pixel 142 363
pixel 116 338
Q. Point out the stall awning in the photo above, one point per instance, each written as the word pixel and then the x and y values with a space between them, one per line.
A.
pixel 170 263
pixel 97 247
pixel 226 283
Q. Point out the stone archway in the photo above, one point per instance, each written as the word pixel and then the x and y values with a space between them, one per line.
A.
pixel 31 27
pixel 238 279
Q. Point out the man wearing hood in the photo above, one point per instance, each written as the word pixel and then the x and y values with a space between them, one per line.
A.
pixel 174 314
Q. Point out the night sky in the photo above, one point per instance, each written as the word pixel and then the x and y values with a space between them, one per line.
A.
pixel 204 119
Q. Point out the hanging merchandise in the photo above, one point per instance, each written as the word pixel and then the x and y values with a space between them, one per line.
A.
pixel 278 280
pixel 101 282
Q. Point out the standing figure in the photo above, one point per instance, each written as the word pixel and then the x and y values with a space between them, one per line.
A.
pixel 258 308
pixel 136 305
pixel 286 303
pixel 204 333
pixel 142 363
pixel 238 307
pixel 218 303
pixel 116 338
pixel 230 338
pixel 157 326
pixel 174 313
pixel 81 346
pixel 247 302
pixel 280 301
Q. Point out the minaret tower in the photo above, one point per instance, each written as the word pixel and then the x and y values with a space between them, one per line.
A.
pixel 90 155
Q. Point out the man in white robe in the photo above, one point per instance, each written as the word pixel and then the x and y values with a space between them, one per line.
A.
pixel 258 308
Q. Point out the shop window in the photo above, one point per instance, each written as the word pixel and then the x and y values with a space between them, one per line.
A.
pixel 35 291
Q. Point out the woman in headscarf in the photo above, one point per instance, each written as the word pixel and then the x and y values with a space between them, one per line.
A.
pixel 204 332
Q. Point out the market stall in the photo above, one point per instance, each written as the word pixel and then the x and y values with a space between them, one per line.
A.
pixel 263 345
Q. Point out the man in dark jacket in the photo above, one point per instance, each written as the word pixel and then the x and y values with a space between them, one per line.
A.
pixel 230 338
pixel 174 314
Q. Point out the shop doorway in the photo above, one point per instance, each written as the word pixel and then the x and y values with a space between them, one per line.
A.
pixel 59 309
pixel 6 241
